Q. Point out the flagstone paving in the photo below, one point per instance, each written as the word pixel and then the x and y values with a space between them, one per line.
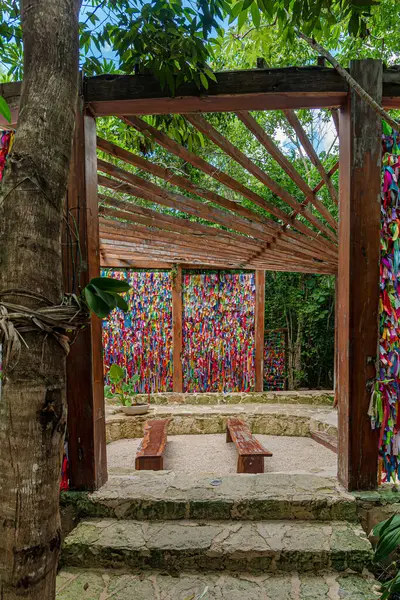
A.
pixel 250 546
pixel 163 495
pixel 77 584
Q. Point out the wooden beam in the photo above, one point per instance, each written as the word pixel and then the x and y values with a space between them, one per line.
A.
pixel 358 277
pixel 329 174
pixel 176 274
pixel 252 125
pixel 142 188
pixel 253 89
pixel 259 320
pixel 222 142
pixel 183 182
pixel 200 232
pixel 311 153
pixel 225 179
pixel 292 242
pixel 85 385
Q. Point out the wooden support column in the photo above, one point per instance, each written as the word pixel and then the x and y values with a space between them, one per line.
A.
pixel 259 330
pixel 85 385
pixel 177 383
pixel 358 277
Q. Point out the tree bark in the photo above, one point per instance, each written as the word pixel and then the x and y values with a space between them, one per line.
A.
pixel 32 404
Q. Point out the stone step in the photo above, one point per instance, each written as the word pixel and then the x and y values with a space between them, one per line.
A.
pixel 76 584
pixel 250 546
pixel 268 419
pixel 165 495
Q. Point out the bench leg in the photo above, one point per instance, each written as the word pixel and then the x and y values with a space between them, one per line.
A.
pixel 228 435
pixel 149 463
pixel 250 464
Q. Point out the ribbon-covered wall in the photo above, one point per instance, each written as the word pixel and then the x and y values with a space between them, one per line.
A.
pixel 6 142
pixel 275 359
pixel 141 339
pixel 384 407
pixel 218 332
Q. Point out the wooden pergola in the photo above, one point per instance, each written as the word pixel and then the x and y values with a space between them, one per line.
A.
pixel 304 236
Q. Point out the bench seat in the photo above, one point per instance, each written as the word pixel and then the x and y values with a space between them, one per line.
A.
pixel 150 454
pixel 251 452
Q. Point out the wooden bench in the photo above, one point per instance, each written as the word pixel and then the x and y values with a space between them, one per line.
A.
pixel 326 439
pixel 251 452
pixel 151 450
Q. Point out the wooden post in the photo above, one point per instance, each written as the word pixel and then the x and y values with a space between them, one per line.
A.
pixel 81 262
pixel 259 330
pixel 177 384
pixel 335 348
pixel 358 277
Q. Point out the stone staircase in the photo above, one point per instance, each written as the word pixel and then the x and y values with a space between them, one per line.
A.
pixel 171 536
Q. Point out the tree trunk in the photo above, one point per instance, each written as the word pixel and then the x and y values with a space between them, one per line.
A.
pixel 32 405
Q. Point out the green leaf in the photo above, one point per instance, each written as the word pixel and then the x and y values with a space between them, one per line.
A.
pixel 255 14
pixel 388 542
pixel 122 304
pixel 5 110
pixel 95 303
pixel 242 19
pixel 109 284
pixel 116 373
pixel 204 80
pixel 246 4
pixel 109 299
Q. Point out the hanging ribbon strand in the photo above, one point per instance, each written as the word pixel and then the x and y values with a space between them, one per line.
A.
pixel 218 332
pixel 384 406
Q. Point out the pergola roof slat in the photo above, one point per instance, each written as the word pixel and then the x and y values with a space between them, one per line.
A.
pixel 312 155
pixel 286 165
pixel 222 142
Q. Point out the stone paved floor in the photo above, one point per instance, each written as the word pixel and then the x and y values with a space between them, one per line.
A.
pixel 211 454
pixel 75 584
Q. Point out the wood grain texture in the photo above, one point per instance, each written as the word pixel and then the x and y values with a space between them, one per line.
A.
pixel 251 452
pixel 150 453
pixel 85 385
pixel 358 278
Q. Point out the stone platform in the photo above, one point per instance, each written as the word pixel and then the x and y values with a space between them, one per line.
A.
pixel 314 397
pixel 269 419
pixel 167 495
pixel 78 584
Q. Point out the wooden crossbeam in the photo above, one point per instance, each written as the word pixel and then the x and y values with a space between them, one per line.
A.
pixel 141 234
pixel 169 144
pixel 163 140
pixel 205 237
pixel 258 89
pixel 252 125
pixel 158 239
pixel 183 182
pixel 292 242
pixel 172 224
pixel 330 173
pixel 312 155
pixel 147 190
pixel 222 142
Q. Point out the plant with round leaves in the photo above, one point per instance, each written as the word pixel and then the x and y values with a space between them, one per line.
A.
pixel 103 294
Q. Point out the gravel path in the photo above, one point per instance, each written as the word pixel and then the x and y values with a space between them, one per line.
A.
pixel 211 454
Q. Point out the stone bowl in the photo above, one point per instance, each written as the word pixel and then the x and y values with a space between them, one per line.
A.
pixel 139 409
